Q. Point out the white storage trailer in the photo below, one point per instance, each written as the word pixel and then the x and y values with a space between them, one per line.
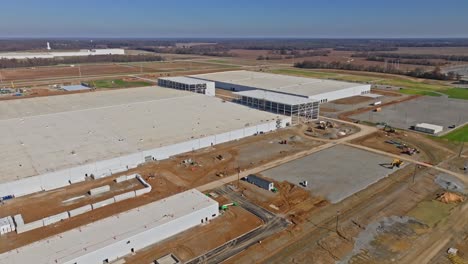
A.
pixel 99 190
pixel 428 128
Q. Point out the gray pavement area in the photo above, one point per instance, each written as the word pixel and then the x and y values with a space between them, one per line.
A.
pixel 440 111
pixel 334 173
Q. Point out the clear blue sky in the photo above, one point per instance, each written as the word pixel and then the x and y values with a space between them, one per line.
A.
pixel 236 18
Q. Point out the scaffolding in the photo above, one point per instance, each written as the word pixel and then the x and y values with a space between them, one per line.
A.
pixel 299 109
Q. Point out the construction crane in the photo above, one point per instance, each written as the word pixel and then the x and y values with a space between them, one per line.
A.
pixel 397 163
pixel 224 207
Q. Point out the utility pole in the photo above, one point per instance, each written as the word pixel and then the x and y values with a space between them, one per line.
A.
pixel 337 219
pixel 416 166
pixel 238 176
pixel 462 146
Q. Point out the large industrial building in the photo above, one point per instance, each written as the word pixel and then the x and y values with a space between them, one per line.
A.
pixel 284 104
pixel 117 236
pixel 54 54
pixel 50 142
pixel 316 89
pixel 188 84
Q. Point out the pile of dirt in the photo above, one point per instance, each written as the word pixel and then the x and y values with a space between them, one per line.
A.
pixel 448 197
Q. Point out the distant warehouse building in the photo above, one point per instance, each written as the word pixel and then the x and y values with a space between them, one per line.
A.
pixel 316 89
pixel 188 84
pixel 428 128
pixel 114 237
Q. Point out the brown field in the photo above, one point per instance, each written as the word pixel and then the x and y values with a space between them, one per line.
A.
pixel 64 71
pixel 36 73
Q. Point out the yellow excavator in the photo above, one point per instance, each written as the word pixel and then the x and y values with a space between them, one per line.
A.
pixel 397 163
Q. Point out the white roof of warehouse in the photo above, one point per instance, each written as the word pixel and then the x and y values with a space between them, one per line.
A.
pixel 278 82
pixel 46 134
pixel 184 79
pixel 430 126
pixel 276 97
pixel 77 242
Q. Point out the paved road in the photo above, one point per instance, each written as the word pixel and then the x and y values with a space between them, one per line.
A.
pixel 272 224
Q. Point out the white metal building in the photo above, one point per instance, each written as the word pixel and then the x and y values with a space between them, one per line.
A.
pixel 317 89
pixel 188 84
pixel 50 142
pixel 428 128
pixel 53 54
pixel 290 105
pixel 117 236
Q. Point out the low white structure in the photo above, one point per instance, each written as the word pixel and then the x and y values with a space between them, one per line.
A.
pixel 188 84
pixel 317 89
pixel 428 128
pixel 117 236
pixel 74 88
pixel 54 54
pixel 63 139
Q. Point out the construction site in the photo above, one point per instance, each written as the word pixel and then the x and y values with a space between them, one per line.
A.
pixel 232 167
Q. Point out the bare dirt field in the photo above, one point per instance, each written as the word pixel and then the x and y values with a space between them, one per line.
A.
pixel 431 152
pixel 64 71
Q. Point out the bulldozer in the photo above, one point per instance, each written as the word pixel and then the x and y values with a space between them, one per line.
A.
pixel 397 163
pixel 389 129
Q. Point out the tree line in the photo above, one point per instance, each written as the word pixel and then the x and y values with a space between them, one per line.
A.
pixel 435 74
pixel 407 61
pixel 35 62
pixel 412 56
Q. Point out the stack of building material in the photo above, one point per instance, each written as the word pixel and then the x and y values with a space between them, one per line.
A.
pixel 6 225
pixel 29 226
pixel 99 190
pixel 103 203
pixel 55 218
pixel 124 196
pixel 80 210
